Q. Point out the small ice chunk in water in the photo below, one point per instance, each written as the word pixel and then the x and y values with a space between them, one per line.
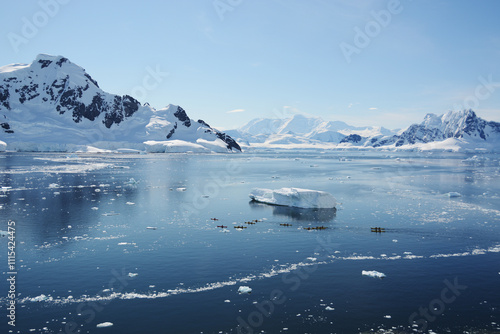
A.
pixel 387 316
pixel 373 273
pixel 227 301
pixel 40 298
pixel 181 189
pixel 132 274
pixel 104 324
pixel 244 289
pixel 328 308
pixel 151 228
pixel 453 194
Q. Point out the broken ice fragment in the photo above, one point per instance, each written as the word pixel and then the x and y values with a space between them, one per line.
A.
pixel 244 289
pixel 40 298
pixel 373 273
pixel 104 324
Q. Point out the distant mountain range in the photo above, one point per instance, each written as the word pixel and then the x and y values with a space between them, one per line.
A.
pixel 454 131
pixel 54 105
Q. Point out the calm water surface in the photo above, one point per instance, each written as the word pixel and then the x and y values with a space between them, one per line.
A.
pixel 128 239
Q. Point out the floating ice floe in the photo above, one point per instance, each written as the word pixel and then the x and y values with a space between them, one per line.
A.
pixel 130 203
pixel 373 273
pixel 294 197
pixel 244 289
pixel 181 189
pixel 40 298
pixel 104 324
pixel 151 228
pixel 132 274
pixel 328 308
pixel 453 194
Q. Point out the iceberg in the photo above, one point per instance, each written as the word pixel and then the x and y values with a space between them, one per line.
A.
pixel 244 289
pixel 294 197
pixel 104 324
pixel 373 273
pixel 40 298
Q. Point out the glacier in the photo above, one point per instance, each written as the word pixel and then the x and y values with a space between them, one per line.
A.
pixel 294 197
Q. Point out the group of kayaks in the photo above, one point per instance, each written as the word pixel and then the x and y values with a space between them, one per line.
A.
pixel 253 222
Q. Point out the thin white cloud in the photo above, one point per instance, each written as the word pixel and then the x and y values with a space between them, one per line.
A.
pixel 235 111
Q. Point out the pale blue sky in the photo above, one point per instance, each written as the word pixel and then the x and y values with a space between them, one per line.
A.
pixel 270 58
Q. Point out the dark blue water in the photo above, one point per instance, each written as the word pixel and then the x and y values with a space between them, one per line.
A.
pixel 85 254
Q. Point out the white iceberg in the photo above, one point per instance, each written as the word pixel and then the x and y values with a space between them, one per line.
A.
pixel 40 298
pixel 104 324
pixel 373 273
pixel 453 194
pixel 294 197
pixel 244 289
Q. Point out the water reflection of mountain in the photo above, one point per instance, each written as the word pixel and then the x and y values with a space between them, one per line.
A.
pixel 298 214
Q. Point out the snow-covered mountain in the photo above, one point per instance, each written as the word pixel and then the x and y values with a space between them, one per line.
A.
pixel 54 105
pixel 300 129
pixel 460 128
pixel 455 130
